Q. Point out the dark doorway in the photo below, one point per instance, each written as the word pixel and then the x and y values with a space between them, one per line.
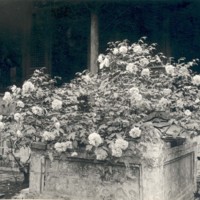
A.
pixel 70 41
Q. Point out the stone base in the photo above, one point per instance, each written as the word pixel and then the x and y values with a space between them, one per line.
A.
pixel 162 174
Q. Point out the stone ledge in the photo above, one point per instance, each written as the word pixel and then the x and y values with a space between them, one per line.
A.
pixel 39 146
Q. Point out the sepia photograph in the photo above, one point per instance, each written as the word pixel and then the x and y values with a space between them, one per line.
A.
pixel 100 99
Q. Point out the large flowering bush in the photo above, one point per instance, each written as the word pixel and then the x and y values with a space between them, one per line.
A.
pixel 101 113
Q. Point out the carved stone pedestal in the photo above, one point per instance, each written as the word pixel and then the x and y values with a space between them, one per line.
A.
pixel 161 173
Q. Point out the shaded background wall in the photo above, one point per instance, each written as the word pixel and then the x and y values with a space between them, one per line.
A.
pixel 56 34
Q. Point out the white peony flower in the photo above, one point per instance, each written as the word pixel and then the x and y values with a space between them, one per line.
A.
pixel 101 65
pixel 57 125
pixel 39 94
pixel 145 72
pixel 48 136
pixel 184 71
pixel 20 104
pixel 62 92
pixel 95 139
pixel 144 62
pixel 106 62
pixel 137 97
pixel 197 100
pixel 116 95
pixel 100 58
pixel 18 117
pixel 37 110
pixel 63 146
pixel 116 151
pixel 146 51
pixel 196 80
pixel 166 91
pixel 59 147
pixel 56 104
pixel 134 90
pixel 137 49
pixel 74 154
pixel 115 51
pixel 187 112
pixel 19 134
pixel 135 132
pixel 170 69
pixel 7 97
pixel 101 154
pixel 123 49
pixel 27 88
pixel 2 126
pixel 132 68
pixel 121 143
pixel 163 102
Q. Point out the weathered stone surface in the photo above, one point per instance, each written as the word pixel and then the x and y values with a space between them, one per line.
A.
pixel 93 181
pixel 161 173
pixel 178 177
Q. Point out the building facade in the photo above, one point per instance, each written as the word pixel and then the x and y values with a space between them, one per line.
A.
pixel 66 36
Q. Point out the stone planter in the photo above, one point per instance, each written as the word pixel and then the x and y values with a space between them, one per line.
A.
pixel 161 173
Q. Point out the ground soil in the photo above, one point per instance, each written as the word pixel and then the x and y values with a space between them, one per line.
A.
pixel 11 182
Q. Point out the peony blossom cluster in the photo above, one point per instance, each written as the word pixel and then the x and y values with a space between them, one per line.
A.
pixel 117 147
pixel 37 110
pixel 166 91
pixel 137 49
pixel 56 104
pixel 95 139
pixel 196 80
pixel 18 117
pixel 20 104
pixel 48 136
pixel 19 134
pixel 170 69
pixel 121 143
pixel 39 94
pixel 57 125
pixel 135 132
pixel 144 62
pixel 104 61
pixel 184 71
pixel 15 90
pixel 163 102
pixel 115 51
pixel 123 49
pixel 134 90
pixel 63 146
pixel 101 154
pixel 27 88
pixel 145 72
pixel 187 112
pixel 135 95
pixel 132 68
pixel 7 97
pixel 74 154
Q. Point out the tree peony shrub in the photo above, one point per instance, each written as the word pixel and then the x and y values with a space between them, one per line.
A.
pixel 101 113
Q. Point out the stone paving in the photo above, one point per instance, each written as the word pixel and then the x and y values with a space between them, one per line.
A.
pixel 10 182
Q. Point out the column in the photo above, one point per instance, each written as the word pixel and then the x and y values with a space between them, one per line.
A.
pixel 94 43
